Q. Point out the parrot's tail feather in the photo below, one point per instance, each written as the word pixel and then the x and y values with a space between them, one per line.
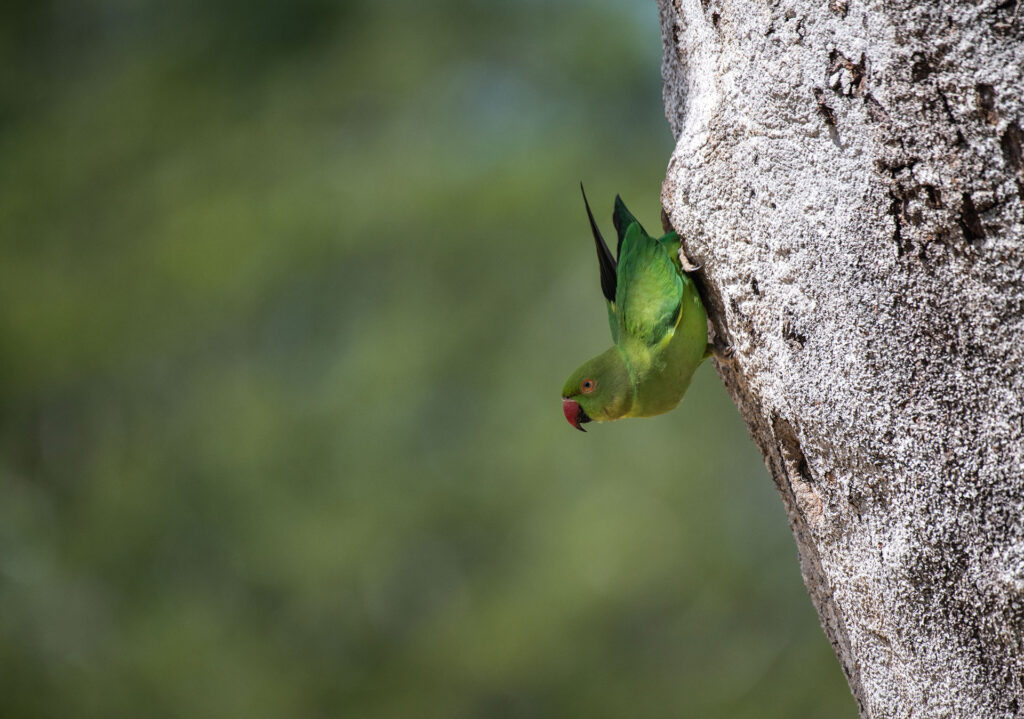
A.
pixel 609 267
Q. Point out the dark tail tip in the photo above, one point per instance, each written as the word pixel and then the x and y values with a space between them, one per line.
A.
pixel 604 256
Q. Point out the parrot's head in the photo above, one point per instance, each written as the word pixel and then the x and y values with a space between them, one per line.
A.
pixel 599 391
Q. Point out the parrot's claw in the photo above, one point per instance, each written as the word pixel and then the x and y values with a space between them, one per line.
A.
pixel 684 261
pixel 723 352
pixel 720 351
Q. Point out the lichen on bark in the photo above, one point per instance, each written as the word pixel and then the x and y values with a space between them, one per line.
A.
pixel 851 179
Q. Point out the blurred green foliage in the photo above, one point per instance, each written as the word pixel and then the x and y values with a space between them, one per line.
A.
pixel 288 293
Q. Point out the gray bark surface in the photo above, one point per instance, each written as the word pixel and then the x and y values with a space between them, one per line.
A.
pixel 851 178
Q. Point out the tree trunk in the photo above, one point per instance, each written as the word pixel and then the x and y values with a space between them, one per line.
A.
pixel 851 178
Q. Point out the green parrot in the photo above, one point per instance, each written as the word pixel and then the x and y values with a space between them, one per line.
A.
pixel 658 323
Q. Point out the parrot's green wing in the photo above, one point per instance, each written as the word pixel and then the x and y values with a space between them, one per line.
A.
pixel 622 219
pixel 649 290
pixel 613 322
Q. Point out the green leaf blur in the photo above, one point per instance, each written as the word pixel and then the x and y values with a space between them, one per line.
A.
pixel 288 293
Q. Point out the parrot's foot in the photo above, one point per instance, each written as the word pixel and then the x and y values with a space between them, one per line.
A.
pixel 687 266
pixel 721 351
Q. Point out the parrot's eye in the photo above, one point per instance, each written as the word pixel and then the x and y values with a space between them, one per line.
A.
pixel 587 386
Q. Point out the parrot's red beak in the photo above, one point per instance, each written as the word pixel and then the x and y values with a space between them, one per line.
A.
pixel 574 413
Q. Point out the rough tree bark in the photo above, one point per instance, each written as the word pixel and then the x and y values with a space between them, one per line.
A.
pixel 851 177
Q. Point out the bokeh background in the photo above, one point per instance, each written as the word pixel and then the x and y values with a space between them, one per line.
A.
pixel 288 291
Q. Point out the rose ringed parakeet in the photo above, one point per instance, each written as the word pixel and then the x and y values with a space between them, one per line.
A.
pixel 658 324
